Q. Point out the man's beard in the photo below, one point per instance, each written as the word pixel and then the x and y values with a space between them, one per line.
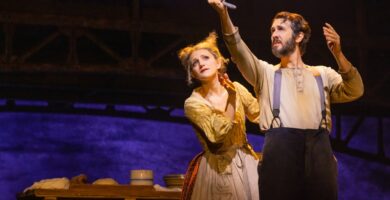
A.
pixel 286 49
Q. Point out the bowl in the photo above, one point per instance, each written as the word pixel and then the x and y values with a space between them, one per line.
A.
pixel 174 180
pixel 141 177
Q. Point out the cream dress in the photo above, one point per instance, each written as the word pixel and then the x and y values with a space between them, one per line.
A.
pixel 228 168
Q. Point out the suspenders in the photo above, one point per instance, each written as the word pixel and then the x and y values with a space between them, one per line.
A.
pixel 276 97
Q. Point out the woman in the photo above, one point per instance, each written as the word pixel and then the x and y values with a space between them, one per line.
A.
pixel 227 168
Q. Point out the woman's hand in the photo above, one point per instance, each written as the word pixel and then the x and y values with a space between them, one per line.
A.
pixel 227 83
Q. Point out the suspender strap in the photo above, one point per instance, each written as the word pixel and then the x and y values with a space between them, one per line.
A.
pixel 322 95
pixel 277 86
pixel 320 85
pixel 276 96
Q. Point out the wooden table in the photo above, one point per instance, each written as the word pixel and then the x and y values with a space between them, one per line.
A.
pixel 101 192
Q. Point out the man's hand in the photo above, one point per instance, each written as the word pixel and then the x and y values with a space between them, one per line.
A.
pixel 332 39
pixel 333 42
pixel 217 5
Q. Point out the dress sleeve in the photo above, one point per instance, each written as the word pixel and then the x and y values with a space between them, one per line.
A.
pixel 213 124
pixel 250 103
pixel 344 87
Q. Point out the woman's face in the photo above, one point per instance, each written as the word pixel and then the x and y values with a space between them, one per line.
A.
pixel 204 66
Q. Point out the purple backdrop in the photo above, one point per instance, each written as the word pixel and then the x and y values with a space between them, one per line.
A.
pixel 35 146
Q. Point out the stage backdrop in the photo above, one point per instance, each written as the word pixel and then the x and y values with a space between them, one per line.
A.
pixel 35 146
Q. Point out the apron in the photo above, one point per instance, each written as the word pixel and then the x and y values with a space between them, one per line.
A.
pixel 297 163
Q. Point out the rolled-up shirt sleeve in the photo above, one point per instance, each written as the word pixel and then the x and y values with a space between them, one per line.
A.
pixel 344 87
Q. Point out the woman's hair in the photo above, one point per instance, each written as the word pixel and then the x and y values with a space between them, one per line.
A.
pixel 210 44
pixel 298 24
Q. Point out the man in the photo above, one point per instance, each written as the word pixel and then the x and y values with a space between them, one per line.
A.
pixel 294 99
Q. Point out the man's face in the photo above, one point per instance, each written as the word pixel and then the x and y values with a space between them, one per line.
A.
pixel 282 40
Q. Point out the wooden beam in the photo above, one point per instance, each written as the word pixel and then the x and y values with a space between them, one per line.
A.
pixel 362 36
pixel 165 51
pixel 8 45
pixel 140 69
pixel 354 129
pixel 39 46
pixel 125 24
pixel 380 137
pixel 72 59
pixel 135 32
pixel 103 46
